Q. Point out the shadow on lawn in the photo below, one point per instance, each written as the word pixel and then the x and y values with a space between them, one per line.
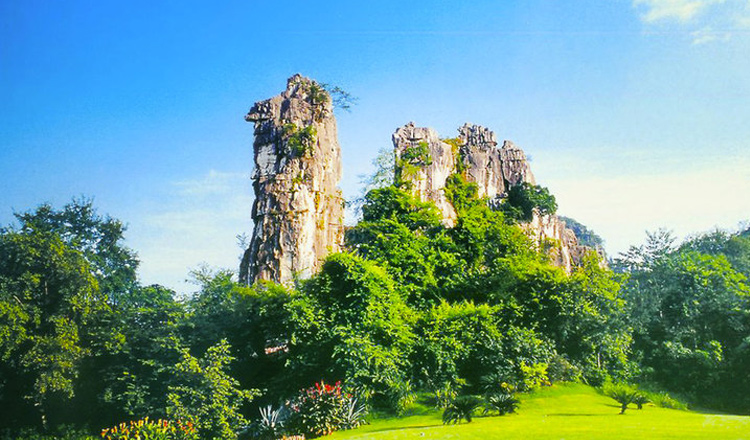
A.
pixel 408 428
pixel 577 415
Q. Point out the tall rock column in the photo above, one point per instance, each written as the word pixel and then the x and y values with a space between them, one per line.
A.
pixel 298 213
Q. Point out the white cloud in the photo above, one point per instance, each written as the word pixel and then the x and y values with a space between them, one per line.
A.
pixel 741 18
pixel 680 10
pixel 707 35
pixel 196 223
pixel 704 21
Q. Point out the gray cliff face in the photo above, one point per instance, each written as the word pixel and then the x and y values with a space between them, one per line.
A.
pixel 427 176
pixel 516 169
pixel 494 169
pixel 481 160
pixel 298 210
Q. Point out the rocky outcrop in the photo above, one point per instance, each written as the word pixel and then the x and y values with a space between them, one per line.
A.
pixel 516 169
pixel 553 237
pixel 425 162
pixel 481 160
pixel 298 210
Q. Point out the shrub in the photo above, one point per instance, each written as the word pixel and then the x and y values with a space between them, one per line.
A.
pixel 534 376
pixel 300 141
pixel 624 394
pixel 461 408
pixel 151 430
pixel 503 403
pixel 664 400
pixel 560 369
pixel 447 392
pixel 640 400
pixel 270 425
pixel 417 154
pixel 461 193
pixel 323 409
pixel 523 199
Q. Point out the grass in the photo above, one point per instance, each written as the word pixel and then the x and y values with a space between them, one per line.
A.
pixel 568 411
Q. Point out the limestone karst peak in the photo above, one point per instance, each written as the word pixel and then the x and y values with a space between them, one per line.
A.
pixel 298 210
pixel 426 162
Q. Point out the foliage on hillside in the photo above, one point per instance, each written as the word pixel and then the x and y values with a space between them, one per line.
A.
pixel 690 308
pixel 411 307
pixel 585 236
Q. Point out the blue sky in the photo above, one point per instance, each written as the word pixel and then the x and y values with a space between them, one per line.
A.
pixel 635 112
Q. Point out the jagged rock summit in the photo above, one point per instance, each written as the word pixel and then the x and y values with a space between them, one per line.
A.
pixel 298 213
pixel 426 161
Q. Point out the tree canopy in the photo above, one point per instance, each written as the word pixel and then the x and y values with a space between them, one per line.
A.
pixel 409 306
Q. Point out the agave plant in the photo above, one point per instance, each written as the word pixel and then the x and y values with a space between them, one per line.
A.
pixel 461 408
pixel 503 403
pixel 270 424
pixel 353 415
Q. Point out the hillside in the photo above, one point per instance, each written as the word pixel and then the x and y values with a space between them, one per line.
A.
pixel 568 411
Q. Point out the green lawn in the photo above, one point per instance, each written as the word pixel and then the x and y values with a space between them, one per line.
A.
pixel 568 412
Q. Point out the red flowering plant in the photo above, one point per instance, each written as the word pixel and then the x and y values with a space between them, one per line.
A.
pixel 323 409
pixel 151 429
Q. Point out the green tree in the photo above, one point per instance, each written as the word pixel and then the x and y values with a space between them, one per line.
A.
pixel 48 296
pixel 207 396
pixel 254 320
pixel 404 236
pixel 128 377
pixel 691 314
pixel 459 344
pixel 585 236
pixel 736 247
pixel 523 199
pixel 396 204
pixel 384 164
pixel 352 324
pixel 98 238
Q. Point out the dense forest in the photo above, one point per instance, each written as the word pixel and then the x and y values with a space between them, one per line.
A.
pixel 411 308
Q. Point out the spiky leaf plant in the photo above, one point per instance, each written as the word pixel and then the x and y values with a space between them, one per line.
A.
pixel 461 408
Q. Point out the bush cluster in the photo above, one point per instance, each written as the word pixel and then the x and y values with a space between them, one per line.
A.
pixel 152 430
pixel 323 409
